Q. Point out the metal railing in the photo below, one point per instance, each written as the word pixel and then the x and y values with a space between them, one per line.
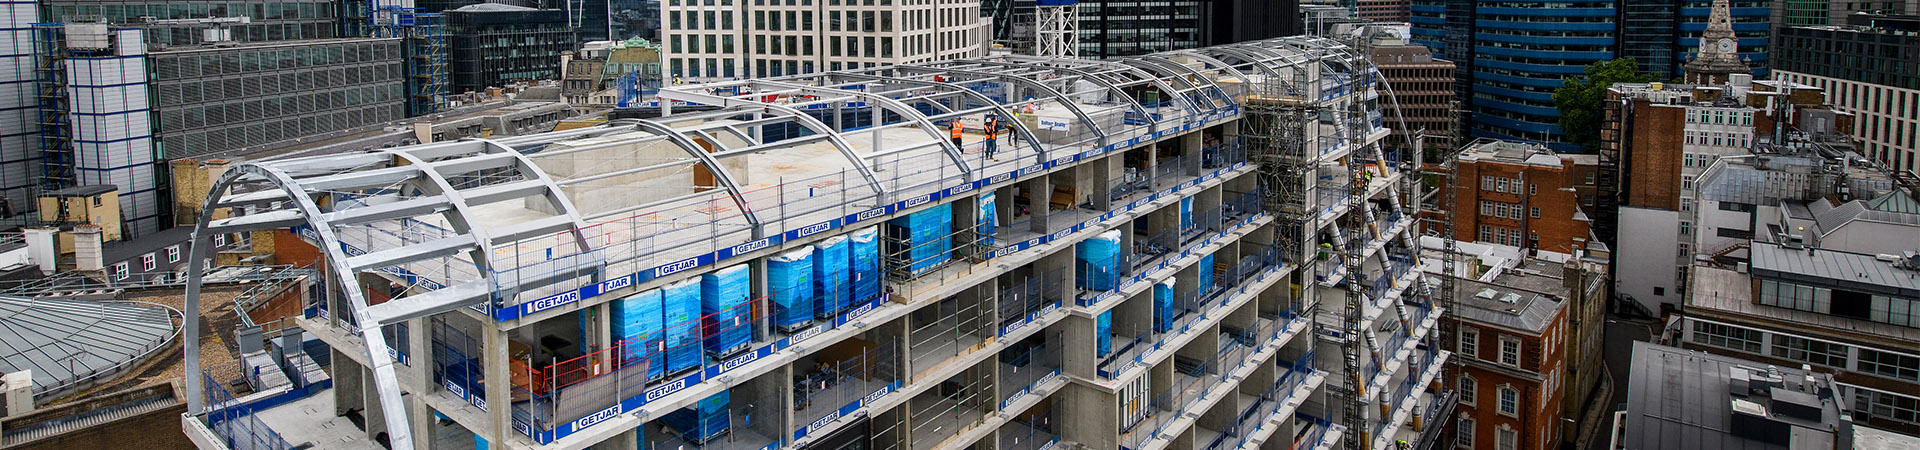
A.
pixel 1268 404
pixel 236 423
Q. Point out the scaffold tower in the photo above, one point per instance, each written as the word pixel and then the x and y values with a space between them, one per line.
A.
pixel 1059 28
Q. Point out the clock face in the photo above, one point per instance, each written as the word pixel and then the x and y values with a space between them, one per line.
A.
pixel 1726 45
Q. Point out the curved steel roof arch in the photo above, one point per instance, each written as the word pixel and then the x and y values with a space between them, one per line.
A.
pixel 386 381
pixel 1143 63
pixel 292 200
pixel 1062 98
pixel 946 146
pixel 982 98
pixel 1140 108
pixel 804 120
pixel 720 171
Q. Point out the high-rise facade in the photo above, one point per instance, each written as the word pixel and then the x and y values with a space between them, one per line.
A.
pixel 496 44
pixel 1423 87
pixel 1512 58
pixel 122 88
pixel 736 39
pixel 1111 28
pixel 815 265
pixel 1864 68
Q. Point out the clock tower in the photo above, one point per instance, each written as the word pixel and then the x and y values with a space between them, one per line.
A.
pixel 1719 53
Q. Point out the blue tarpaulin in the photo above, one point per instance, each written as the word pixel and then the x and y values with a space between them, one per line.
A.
pixel 1098 259
pixel 830 277
pixel 637 323
pixel 864 252
pixel 681 301
pixel 790 277
pixel 724 308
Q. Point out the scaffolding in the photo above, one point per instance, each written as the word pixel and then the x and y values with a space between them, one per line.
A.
pixel 426 63
pixel 56 125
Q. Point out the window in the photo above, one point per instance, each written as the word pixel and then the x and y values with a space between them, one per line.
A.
pixel 1486 208
pixel 1486 233
pixel 1686 182
pixel 1469 343
pixel 1686 228
pixel 1533 212
pixel 1500 210
pixel 173 254
pixel 1533 189
pixel 1486 183
pixel 120 270
pixel 219 240
pixel 1469 390
pixel 147 262
pixel 1500 185
pixel 1509 351
pixel 1728 337
pixel 1810 351
pixel 1686 204
pixel 1590 176
pixel 1509 401
pixel 1465 432
pixel 1888 364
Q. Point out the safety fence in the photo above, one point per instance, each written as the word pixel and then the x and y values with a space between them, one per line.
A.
pixel 1270 402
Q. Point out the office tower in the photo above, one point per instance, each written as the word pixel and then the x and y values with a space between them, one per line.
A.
pixel 496 44
pixel 1423 87
pixel 122 89
pixel 1859 66
pixel 1152 252
pixel 1509 71
pixel 734 39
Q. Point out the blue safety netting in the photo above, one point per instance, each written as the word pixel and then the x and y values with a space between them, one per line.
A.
pixel 1206 273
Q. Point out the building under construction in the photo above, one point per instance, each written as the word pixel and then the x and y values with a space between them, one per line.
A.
pixel 1198 249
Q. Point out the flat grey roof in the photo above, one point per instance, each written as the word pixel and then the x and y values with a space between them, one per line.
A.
pixel 1833 268
pixel 67 341
pixel 1678 399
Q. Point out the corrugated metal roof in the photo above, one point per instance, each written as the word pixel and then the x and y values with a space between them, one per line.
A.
pixel 62 341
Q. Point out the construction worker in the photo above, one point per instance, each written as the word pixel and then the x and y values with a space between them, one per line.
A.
pixel 993 126
pixel 956 127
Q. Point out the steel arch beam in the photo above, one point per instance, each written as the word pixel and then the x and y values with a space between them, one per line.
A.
pixel 1137 107
pixel 839 143
pixel 726 177
pixel 969 93
pixel 1064 100
pixel 399 431
pixel 953 152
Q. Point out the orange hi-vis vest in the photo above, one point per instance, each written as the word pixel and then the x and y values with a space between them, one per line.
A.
pixel 992 124
pixel 956 128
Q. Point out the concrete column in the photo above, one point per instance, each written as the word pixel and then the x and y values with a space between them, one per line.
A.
pixel 1101 174
pixel 348 375
pixel 1078 351
pixel 760 292
pixel 602 333
pixel 497 366
pixel 1090 416
pixel 420 417
pixel 1039 197
pixel 1190 145
pixel 376 416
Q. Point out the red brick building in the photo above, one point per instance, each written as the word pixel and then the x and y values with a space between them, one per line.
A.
pixel 1509 344
pixel 1385 10
pixel 1523 195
